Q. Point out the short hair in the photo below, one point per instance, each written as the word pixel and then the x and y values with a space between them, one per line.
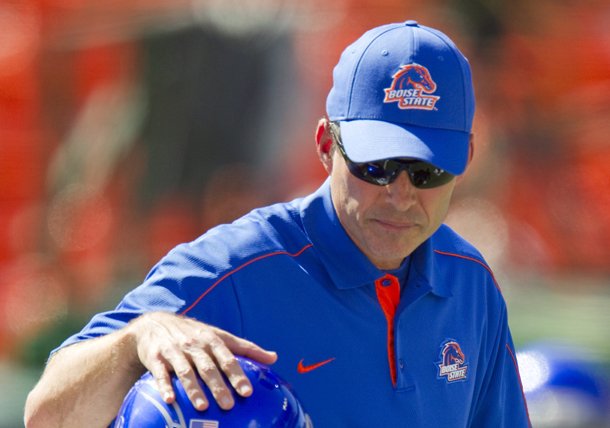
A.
pixel 335 133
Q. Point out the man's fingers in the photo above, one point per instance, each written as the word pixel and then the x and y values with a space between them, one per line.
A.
pixel 163 379
pixel 193 350
pixel 212 377
pixel 231 368
pixel 188 378
pixel 246 348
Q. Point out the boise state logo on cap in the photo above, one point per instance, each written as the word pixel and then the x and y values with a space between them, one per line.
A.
pixel 404 90
pixel 410 86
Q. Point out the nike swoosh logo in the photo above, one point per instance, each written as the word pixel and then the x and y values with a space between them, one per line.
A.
pixel 302 368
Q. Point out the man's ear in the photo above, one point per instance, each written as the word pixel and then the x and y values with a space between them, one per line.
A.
pixel 324 143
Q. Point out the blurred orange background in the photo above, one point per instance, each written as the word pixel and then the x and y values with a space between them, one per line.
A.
pixel 129 127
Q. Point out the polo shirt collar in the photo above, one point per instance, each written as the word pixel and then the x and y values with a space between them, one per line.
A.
pixel 425 269
pixel 343 260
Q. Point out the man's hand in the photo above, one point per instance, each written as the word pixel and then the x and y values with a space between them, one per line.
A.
pixel 167 343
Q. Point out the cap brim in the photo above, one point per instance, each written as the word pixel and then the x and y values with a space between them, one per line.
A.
pixel 371 140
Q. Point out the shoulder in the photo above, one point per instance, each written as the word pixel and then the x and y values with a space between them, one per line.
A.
pixel 264 230
pixel 448 240
pixel 461 258
pixel 190 269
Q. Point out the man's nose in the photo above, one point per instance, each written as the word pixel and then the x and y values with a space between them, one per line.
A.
pixel 402 192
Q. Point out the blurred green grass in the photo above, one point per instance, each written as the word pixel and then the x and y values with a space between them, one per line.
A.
pixel 573 310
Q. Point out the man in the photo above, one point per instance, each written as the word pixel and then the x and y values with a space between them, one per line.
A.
pixel 381 316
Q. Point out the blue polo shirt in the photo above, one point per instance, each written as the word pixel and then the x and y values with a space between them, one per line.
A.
pixel 289 278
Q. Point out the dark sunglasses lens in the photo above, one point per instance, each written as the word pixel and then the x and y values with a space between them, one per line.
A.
pixel 426 176
pixel 375 170
pixel 373 173
pixel 422 175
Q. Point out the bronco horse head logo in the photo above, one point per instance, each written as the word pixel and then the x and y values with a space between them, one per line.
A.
pixel 452 354
pixel 452 365
pixel 411 86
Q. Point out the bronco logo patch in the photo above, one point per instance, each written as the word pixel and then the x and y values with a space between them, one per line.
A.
pixel 452 365
pixel 410 88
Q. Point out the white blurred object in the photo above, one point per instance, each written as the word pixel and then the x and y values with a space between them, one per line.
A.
pixel 240 17
pixel 564 387
pixel 250 17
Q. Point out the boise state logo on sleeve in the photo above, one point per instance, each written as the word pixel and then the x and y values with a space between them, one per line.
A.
pixel 411 88
pixel 452 365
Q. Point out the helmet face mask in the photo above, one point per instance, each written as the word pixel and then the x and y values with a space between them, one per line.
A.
pixel 272 404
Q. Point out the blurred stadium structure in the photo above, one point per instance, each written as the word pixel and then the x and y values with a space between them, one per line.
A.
pixel 128 127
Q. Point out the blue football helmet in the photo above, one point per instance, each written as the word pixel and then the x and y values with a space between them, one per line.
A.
pixel 271 405
pixel 565 387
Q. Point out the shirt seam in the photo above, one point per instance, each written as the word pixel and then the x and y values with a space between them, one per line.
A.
pixel 472 259
pixel 516 367
pixel 237 269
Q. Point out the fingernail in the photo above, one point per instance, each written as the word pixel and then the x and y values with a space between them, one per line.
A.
pixel 245 390
pixel 225 402
pixel 167 396
pixel 199 403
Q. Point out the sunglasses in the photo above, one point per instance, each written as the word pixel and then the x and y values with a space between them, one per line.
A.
pixel 383 172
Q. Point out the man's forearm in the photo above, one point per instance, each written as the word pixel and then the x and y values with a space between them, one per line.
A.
pixel 84 384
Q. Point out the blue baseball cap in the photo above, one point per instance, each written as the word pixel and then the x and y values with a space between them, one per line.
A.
pixel 404 91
